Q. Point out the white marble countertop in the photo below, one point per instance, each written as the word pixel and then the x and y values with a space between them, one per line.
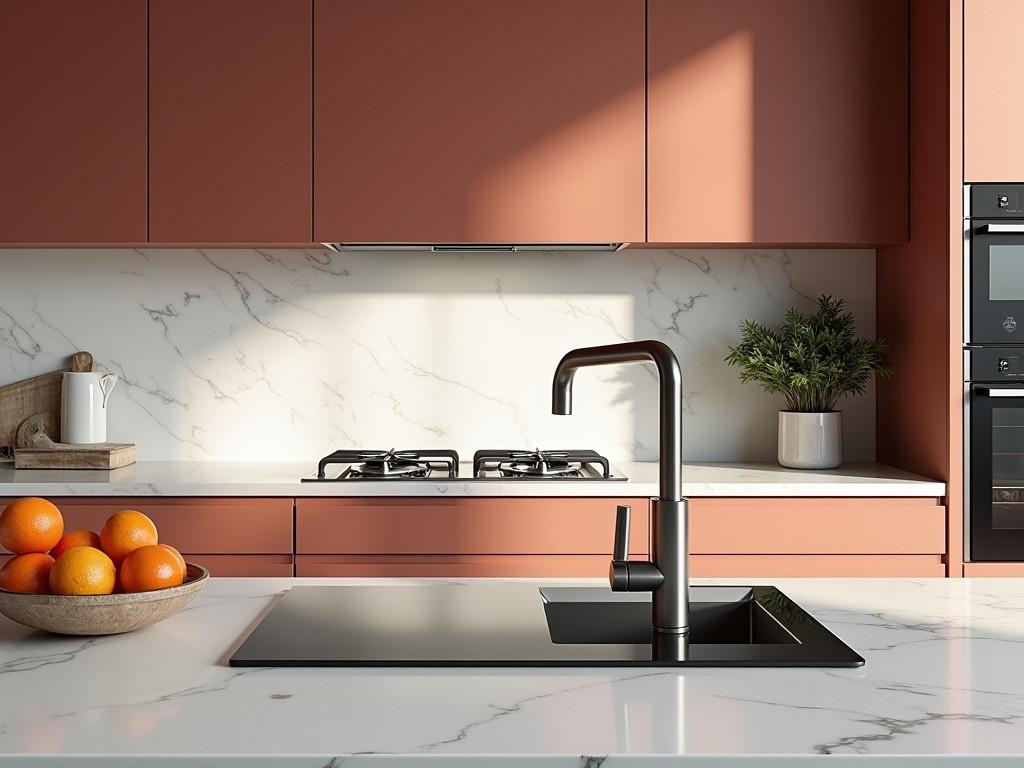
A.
pixel 944 676
pixel 149 478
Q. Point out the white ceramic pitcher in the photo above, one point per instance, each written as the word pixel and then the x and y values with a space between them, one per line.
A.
pixel 83 406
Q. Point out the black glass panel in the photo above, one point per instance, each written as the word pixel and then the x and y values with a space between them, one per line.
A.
pixel 1006 272
pixel 1008 468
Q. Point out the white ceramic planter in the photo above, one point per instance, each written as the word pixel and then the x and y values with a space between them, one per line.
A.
pixel 810 440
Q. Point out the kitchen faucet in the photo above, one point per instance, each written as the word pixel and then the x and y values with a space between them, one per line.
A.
pixel 665 576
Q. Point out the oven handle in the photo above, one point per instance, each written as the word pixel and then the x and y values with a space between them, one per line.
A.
pixel 996 229
pixel 1000 392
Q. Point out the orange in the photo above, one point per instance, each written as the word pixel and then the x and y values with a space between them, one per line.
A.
pixel 82 571
pixel 177 557
pixel 75 539
pixel 27 573
pixel 30 525
pixel 125 531
pixel 149 568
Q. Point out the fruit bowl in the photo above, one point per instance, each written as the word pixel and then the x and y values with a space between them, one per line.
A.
pixel 101 614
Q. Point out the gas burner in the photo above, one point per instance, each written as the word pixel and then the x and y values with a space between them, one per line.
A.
pixel 540 465
pixel 390 465
pixel 440 465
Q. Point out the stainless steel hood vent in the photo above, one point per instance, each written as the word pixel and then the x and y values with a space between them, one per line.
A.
pixel 476 247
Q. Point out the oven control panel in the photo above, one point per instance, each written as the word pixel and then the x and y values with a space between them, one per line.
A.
pixel 997 364
pixel 997 201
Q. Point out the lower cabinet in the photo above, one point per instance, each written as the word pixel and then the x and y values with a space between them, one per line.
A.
pixel 228 536
pixel 534 537
pixel 558 537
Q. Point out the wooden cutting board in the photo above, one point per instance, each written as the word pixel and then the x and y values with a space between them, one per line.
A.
pixel 39 395
pixel 18 401
pixel 67 456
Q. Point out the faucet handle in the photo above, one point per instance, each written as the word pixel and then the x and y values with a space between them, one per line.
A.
pixel 620 549
pixel 618 569
pixel 625 575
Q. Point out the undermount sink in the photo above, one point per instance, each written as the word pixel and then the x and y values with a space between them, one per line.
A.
pixel 718 615
pixel 519 625
pixel 729 626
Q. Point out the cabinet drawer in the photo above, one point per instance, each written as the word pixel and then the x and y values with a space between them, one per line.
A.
pixel 453 566
pixel 498 526
pixel 212 526
pixel 783 526
pixel 244 565
pixel 817 566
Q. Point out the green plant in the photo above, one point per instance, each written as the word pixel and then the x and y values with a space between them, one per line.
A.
pixel 812 360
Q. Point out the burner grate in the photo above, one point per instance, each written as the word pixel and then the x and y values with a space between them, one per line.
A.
pixel 391 464
pixel 538 464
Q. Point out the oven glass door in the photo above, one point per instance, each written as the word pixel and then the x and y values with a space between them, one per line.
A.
pixel 997 282
pixel 997 472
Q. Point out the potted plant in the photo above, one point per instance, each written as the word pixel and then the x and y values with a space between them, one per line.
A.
pixel 813 361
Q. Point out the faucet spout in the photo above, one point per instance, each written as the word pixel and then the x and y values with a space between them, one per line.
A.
pixel 670 381
pixel 666 576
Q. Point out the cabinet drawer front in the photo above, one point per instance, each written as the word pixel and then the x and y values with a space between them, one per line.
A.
pixel 244 565
pixel 817 566
pixel 537 526
pixel 453 566
pixel 817 526
pixel 213 526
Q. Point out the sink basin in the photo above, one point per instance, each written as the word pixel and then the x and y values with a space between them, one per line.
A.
pixel 516 625
pixel 718 615
pixel 729 626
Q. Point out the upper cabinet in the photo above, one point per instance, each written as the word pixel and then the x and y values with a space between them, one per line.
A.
pixel 73 130
pixel 479 120
pixel 993 91
pixel 778 122
pixel 230 121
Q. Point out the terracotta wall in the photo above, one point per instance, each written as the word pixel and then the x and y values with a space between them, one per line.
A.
pixel 918 284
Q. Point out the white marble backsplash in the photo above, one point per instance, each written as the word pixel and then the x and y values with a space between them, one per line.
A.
pixel 287 354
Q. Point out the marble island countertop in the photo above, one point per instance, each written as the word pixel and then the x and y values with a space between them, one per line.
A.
pixel 944 676
pixel 149 478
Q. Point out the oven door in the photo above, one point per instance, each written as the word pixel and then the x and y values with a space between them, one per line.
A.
pixel 997 472
pixel 997 282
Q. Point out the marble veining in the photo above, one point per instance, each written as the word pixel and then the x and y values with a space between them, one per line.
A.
pixel 287 354
pixel 943 677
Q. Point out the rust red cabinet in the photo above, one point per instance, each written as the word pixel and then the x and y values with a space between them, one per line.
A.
pixel 73 128
pixel 495 537
pixel 777 122
pixel 993 92
pixel 479 121
pixel 230 121
pixel 229 536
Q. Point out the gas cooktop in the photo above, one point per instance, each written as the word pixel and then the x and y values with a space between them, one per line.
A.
pixel 489 464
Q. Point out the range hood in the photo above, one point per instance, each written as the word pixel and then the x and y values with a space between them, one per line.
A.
pixel 475 247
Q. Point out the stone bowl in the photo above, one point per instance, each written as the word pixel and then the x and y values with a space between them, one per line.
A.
pixel 102 614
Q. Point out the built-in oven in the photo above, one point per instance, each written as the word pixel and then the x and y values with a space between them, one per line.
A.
pixel 996 264
pixel 994 372
pixel 996 460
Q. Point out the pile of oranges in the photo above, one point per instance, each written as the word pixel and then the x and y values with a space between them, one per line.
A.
pixel 124 556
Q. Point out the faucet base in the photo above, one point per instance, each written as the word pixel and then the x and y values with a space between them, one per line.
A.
pixel 669 548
